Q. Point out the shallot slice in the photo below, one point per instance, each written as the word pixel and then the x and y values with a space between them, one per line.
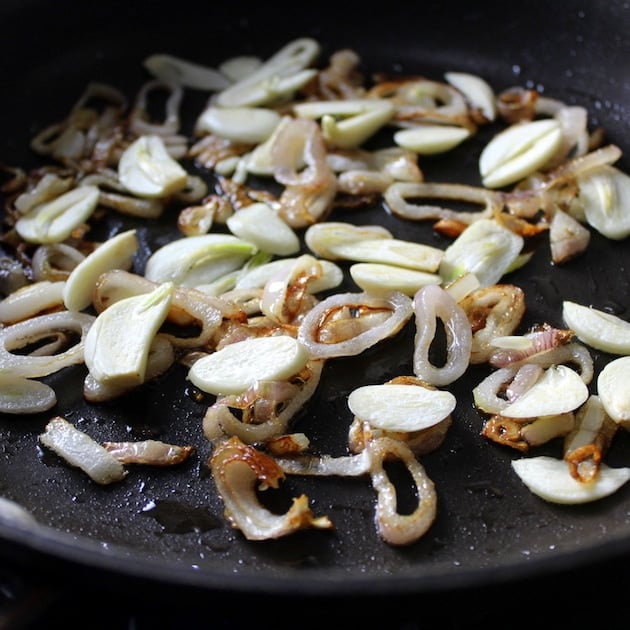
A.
pixel 397 307
pixel 239 470
pixel 150 452
pixel 82 451
pixel 430 303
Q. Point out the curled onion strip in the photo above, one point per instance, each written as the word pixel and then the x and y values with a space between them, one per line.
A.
pixel 55 261
pixel 19 395
pixel 398 193
pixel 395 528
pixel 18 335
pixel 398 303
pixel 238 471
pixel 430 303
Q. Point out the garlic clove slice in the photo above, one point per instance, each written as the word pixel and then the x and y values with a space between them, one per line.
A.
pixel 401 407
pixel 323 238
pixel 54 221
pixel 550 479
pixel 559 390
pixel 185 73
pixel 260 224
pixel 115 253
pixel 146 169
pixel 485 249
pixel 197 260
pixel 379 278
pixel 614 394
pixel 596 328
pixel 238 366
pixel 477 91
pixel 117 345
pixel 431 139
pixel 391 251
pixel 249 125
pixel 518 151
pixel 603 194
pixel 240 67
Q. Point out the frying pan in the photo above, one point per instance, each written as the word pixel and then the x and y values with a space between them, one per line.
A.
pixel 167 525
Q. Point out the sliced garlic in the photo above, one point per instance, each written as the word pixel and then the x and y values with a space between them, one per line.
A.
pixel 82 451
pixel 196 260
pixel 146 169
pixel 550 479
pixel 559 390
pixel 279 77
pixel 596 328
pixel 390 251
pixel 401 407
pixel 30 300
pixel 518 151
pixel 613 390
pixel 115 253
pixel 118 343
pixel 185 73
pixel 478 92
pixel 238 366
pixel 239 68
pixel 379 278
pixel 485 249
pixel 322 238
pixel 250 125
pixel 348 123
pixel 431 139
pixel 54 221
pixel 259 224
pixel 603 194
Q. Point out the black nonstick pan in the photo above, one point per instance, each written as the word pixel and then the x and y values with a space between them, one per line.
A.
pixel 167 524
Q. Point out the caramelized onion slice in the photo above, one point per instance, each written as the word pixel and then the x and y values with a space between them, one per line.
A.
pixel 238 471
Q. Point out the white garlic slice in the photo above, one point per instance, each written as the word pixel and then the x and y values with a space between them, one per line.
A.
pixel 260 224
pixel 185 73
pixel 322 238
pixel 379 278
pixel 117 345
pixel 279 77
pixel 236 367
pixel 603 194
pixel 613 390
pixel 550 479
pixel 401 407
pixel 559 390
pixel 518 151
pixel 391 251
pixel 54 221
pixel 146 169
pixel 596 328
pixel 431 139
pixel 485 249
pixel 238 68
pixel 30 300
pixel 348 123
pixel 115 253
pixel 250 125
pixel 197 260
pixel 477 91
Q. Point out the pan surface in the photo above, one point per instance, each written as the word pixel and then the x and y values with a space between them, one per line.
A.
pixel 168 524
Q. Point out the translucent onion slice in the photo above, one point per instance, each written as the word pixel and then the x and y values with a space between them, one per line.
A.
pixel 237 366
pixel 239 471
pixel 19 395
pixel 81 451
pixel 597 328
pixel 396 528
pixel 551 480
pixel 431 303
pixel 398 303
pixel 31 299
pixel 149 452
pixel 18 335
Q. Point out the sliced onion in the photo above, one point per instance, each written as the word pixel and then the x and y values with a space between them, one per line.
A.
pixel 19 395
